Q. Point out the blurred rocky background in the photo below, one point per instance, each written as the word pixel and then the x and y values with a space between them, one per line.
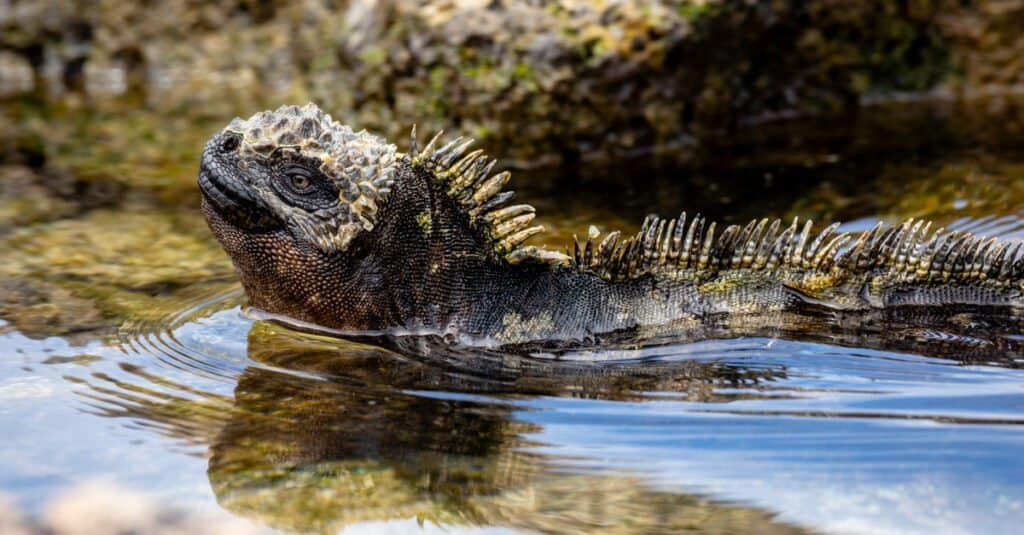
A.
pixel 830 109
pixel 540 81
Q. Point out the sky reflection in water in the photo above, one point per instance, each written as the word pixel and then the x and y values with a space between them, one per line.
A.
pixel 304 433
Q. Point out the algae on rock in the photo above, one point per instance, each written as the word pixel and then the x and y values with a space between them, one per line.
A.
pixel 540 81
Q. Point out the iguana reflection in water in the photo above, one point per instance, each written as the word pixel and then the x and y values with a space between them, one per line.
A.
pixel 338 229
pixel 321 433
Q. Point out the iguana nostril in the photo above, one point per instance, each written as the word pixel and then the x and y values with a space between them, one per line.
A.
pixel 229 144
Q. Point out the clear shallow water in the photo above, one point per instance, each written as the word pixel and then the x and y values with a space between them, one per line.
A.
pixel 306 433
pixel 125 358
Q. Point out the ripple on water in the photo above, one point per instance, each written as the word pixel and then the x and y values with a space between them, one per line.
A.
pixel 203 335
pixel 318 433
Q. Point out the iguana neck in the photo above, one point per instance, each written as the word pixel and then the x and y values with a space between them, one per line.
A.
pixel 423 266
pixel 288 278
pixel 439 269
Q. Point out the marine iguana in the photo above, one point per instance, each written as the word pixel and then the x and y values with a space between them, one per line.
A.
pixel 339 229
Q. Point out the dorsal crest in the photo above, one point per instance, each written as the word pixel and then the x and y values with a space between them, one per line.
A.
pixel 470 181
pixel 909 251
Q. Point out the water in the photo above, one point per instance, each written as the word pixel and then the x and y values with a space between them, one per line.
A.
pixel 129 364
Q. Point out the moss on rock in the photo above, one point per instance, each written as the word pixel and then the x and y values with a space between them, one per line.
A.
pixel 540 81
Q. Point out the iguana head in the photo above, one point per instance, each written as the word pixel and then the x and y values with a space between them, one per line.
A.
pixel 290 195
pixel 297 170
pixel 337 227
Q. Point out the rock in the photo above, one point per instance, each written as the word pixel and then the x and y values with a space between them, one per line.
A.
pixel 84 276
pixel 103 507
pixel 16 74
pixel 540 81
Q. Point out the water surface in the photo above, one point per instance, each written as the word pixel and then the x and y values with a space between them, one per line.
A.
pixel 127 357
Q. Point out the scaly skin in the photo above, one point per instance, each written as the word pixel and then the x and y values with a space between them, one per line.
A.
pixel 339 229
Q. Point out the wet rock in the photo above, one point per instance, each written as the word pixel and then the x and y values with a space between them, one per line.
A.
pixel 16 74
pixel 95 157
pixel 989 45
pixel 86 275
pixel 103 507
pixel 537 81
pixel 39 309
pixel 29 196
pixel 97 507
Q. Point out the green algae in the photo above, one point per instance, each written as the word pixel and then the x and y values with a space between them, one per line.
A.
pixel 88 274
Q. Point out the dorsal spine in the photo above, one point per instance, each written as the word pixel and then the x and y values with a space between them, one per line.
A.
pixel 910 251
pixel 469 181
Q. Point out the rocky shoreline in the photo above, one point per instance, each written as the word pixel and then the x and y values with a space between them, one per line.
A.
pixel 542 81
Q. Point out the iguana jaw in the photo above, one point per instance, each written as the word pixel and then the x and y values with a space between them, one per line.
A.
pixel 292 278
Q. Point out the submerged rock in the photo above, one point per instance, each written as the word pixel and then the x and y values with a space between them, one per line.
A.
pixel 84 276
pixel 102 507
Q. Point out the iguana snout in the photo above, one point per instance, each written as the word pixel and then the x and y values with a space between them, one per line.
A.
pixel 229 190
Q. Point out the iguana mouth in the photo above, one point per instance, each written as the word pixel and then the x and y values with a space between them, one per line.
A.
pixel 232 200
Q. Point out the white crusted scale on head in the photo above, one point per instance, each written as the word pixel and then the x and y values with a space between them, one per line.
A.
pixel 361 164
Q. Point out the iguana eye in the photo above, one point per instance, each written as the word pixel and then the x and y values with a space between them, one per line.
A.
pixel 299 178
pixel 300 182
